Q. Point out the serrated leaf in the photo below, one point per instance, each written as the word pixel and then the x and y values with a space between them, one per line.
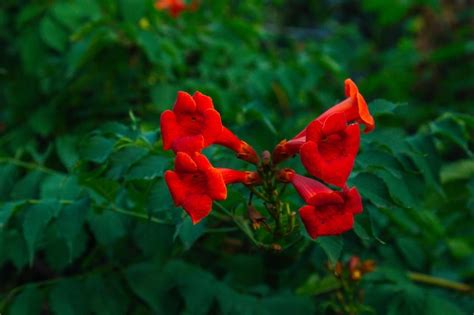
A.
pixel 96 149
pixel 71 220
pixel 28 186
pixel 397 188
pixel 373 188
pixel 107 226
pixel 36 218
pixel 6 210
pixel 123 159
pixel 67 151
pixel 148 168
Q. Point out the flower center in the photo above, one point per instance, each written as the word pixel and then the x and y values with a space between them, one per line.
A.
pixel 192 124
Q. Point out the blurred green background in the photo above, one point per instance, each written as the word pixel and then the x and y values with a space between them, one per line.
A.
pixel 82 86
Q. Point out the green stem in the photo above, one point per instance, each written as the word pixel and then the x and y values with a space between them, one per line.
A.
pixel 440 282
pixel 112 207
pixel 31 166
pixel 243 226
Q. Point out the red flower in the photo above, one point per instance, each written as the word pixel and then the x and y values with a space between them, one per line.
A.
pixel 243 150
pixel 328 212
pixel 194 184
pixel 174 7
pixel 192 125
pixel 354 107
pixel 330 149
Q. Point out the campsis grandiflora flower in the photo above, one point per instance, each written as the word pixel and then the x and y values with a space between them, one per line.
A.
pixel 175 7
pixel 327 147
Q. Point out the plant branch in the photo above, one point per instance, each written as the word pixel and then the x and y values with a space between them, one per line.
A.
pixel 28 165
pixel 440 282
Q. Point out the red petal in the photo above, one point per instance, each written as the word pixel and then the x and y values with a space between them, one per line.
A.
pixel 350 88
pixel 189 144
pixel 327 221
pixel 197 206
pixel 169 128
pixel 216 184
pixel 175 187
pixel 331 161
pixel 353 201
pixel 311 190
pixel 243 149
pixel 184 104
pixel 365 116
pixel 184 163
pixel 203 102
pixel 212 126
pixel 202 162
pixel 308 216
pixel 285 149
pixel 334 124
pixel 229 140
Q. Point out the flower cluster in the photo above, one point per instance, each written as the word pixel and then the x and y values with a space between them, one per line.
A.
pixel 191 126
pixel 327 148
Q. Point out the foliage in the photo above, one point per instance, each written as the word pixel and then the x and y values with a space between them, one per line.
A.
pixel 87 225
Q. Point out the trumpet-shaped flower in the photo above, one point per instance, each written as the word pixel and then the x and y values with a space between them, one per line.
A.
pixel 192 125
pixel 327 212
pixel 194 184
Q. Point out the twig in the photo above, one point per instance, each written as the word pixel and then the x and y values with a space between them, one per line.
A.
pixel 28 165
pixel 440 282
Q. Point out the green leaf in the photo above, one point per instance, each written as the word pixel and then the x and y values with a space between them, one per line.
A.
pixel 147 283
pixel 28 302
pixel 36 218
pixel 373 188
pixel 8 174
pixel 53 34
pixel 148 168
pixel 397 188
pixel 314 285
pixel 123 159
pixel 159 198
pixel 437 305
pixel 67 151
pixel 459 170
pixel 132 10
pixel 67 298
pixel 71 220
pixel 6 210
pixel 453 130
pixel 190 233
pixel 381 107
pixel 460 248
pixel 412 252
pixel 96 149
pixel 287 304
pixel 107 226
pixel 28 186
pixel 332 246
pixel 105 294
